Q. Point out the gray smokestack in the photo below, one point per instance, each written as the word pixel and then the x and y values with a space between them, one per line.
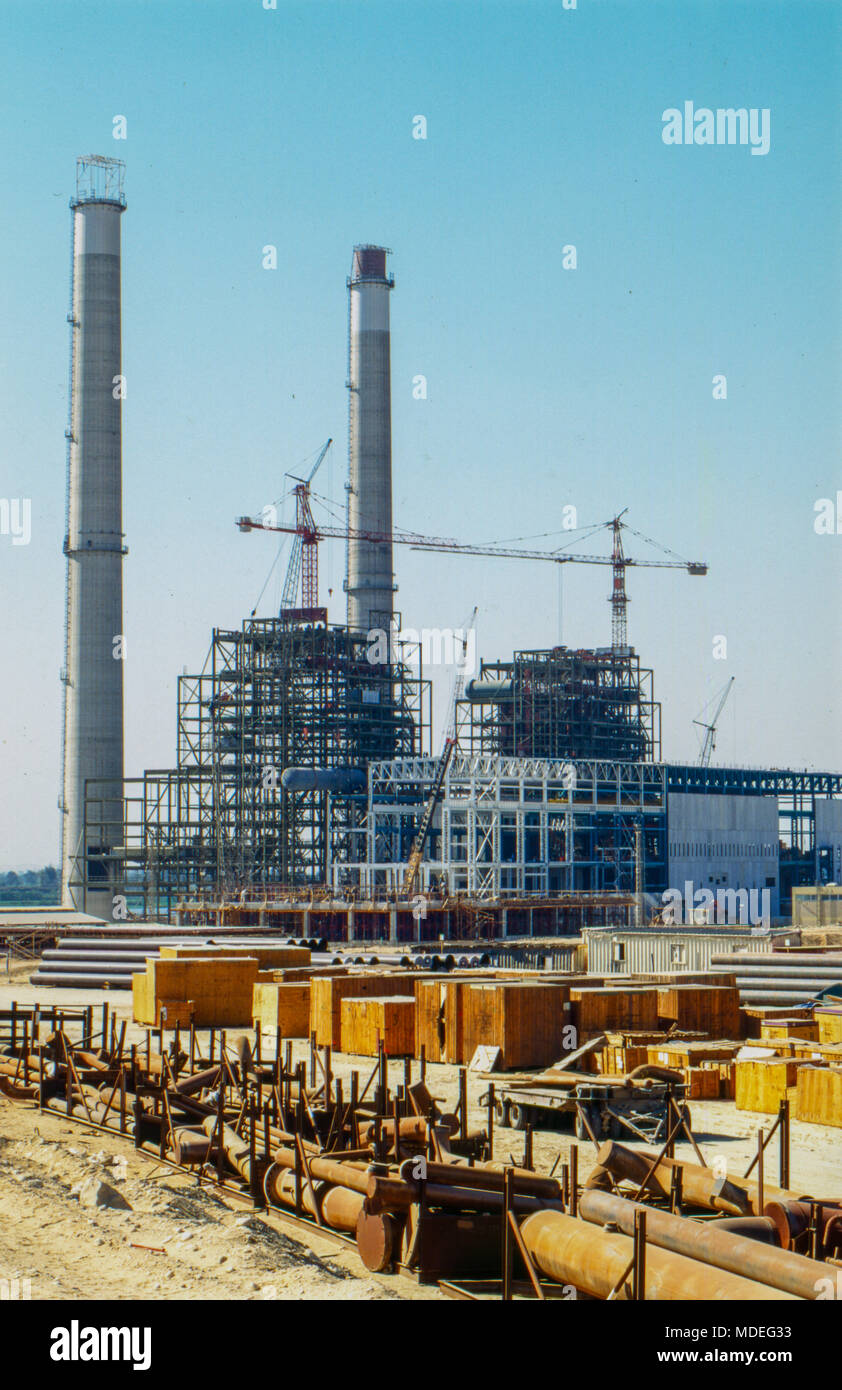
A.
pixel 93 706
pixel 370 579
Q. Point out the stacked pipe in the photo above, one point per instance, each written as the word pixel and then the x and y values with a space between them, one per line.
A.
pixel 781 977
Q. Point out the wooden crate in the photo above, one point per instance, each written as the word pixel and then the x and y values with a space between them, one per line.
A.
pixel 284 1007
pixel 601 1010
pixel 710 1009
pixel 829 1023
pixel 390 1018
pixel 326 997
pixel 691 1054
pixel 761 1083
pixel 783 1029
pixel 727 1080
pixel 702 1083
pixel 438 1019
pixel 298 974
pixel 526 1021
pixel 221 990
pixel 143 1009
pixel 819 1097
pixel 752 1018
pixel 269 957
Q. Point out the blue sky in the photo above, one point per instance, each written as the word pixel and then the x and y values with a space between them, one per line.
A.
pixel 546 387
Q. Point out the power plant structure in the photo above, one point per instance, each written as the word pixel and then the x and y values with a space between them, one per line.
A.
pixel 93 543
pixel 305 769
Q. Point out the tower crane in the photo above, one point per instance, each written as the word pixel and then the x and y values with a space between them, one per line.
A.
pixel 312 533
pixel 416 854
pixel 710 729
pixel 304 557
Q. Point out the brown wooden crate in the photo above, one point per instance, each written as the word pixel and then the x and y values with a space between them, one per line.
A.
pixel 391 1018
pixel 761 1083
pixel 819 1096
pixel 691 1054
pixel 525 1021
pixel 326 1000
pixel 727 1080
pixel 711 1009
pixel 284 1007
pixel 439 1008
pixel 702 1083
pixel 599 1010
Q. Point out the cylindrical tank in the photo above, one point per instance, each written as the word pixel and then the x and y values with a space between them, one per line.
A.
pixel 324 779
pixel 93 712
pixel 488 691
pixel 370 580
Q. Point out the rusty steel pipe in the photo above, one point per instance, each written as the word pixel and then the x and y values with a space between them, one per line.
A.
pixel 233 1145
pixel 577 1254
pixel 792 1219
pixel 338 1207
pixel 483 1177
pixel 410 1127
pixel 699 1186
pixel 761 1228
pixel 329 1170
pixel 396 1195
pixel 707 1243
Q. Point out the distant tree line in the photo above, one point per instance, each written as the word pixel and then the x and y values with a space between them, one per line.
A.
pixel 36 886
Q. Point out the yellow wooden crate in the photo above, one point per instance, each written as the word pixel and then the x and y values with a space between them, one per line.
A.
pixel 326 997
pixel 829 1022
pixel 269 956
pixel 220 989
pixel 761 1083
pixel 390 1018
pixel 783 1029
pixel 284 1007
pixel 819 1097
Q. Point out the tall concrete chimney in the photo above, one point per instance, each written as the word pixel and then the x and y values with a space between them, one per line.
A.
pixel 93 544
pixel 370 580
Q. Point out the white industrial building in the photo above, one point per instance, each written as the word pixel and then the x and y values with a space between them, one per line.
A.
pixel 719 842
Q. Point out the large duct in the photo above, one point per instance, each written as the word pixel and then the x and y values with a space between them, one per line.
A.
pixel 93 544
pixel 370 580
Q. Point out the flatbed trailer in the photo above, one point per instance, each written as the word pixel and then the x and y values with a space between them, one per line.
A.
pixel 599 1111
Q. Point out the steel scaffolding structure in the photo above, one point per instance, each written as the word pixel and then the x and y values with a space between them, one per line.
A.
pixel 281 693
pixel 515 827
pixel 561 703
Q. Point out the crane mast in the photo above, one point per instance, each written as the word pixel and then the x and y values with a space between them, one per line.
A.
pixel 416 854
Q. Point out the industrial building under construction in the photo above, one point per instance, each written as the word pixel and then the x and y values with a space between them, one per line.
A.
pixel 305 764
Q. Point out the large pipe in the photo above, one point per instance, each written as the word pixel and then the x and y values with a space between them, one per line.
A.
pixel 330 779
pixel 705 1241
pixel 782 960
pixel 93 544
pixel 370 580
pixel 699 1185
pixel 575 1253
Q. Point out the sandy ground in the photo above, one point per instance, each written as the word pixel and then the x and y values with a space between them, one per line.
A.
pixel 207 1247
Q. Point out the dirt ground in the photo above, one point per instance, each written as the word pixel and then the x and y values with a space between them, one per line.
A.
pixel 178 1240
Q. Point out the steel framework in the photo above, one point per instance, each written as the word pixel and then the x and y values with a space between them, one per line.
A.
pixel 515 827
pixel 562 703
pixel 289 692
